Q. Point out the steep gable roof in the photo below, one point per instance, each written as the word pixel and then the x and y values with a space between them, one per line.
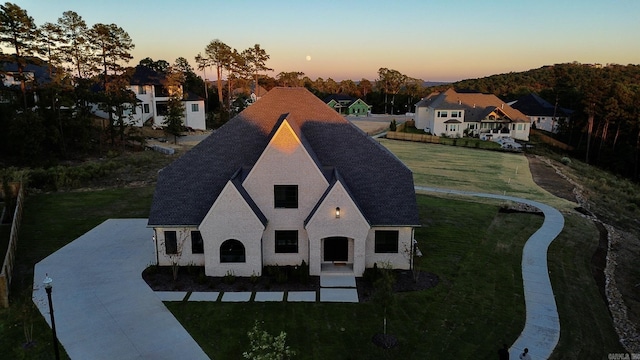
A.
pixel 381 185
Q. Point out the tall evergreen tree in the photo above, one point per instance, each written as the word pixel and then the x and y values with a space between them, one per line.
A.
pixel 76 46
pixel 218 55
pixel 18 31
pixel 256 60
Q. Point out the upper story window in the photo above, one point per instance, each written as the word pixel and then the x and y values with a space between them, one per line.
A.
pixel 285 196
pixel 443 113
pixel 194 107
pixel 142 89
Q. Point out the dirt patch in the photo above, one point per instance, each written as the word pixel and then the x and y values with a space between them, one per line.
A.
pixel 547 178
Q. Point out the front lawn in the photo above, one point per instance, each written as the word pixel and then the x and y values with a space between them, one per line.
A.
pixel 477 305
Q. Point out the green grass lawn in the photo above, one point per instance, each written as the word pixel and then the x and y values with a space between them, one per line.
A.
pixel 474 249
pixel 477 305
pixel 460 168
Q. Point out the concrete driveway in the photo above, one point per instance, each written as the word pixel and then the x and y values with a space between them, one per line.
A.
pixel 102 306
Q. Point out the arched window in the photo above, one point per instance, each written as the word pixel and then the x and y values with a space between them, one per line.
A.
pixel 232 251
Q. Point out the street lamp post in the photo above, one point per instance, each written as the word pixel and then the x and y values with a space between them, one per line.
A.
pixel 47 286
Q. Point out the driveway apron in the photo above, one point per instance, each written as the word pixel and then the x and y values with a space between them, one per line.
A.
pixel 103 308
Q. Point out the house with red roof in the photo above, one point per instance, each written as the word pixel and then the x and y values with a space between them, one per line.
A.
pixel 286 181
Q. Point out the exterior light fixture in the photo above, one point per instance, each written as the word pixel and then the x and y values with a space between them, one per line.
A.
pixel 337 213
pixel 48 287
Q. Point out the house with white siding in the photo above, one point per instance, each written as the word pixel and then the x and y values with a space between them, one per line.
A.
pixel 152 95
pixel 455 114
pixel 286 181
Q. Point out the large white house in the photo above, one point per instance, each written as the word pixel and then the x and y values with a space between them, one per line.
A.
pixel 152 96
pixel 285 181
pixel 454 114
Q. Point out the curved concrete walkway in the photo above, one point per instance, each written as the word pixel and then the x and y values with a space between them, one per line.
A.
pixel 105 310
pixel 542 325
pixel 102 306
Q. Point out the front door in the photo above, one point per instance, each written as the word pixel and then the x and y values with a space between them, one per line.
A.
pixel 336 249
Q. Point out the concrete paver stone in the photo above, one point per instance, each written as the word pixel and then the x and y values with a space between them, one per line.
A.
pixel 204 296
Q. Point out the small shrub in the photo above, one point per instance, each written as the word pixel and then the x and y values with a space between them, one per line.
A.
pixel 565 160
pixel 202 278
pixel 254 278
pixel 229 278
pixel 304 272
pixel 282 277
pixel 393 125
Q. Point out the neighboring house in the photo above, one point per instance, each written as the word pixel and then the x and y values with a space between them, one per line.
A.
pixel 347 105
pixel 542 114
pixel 456 114
pixel 286 181
pixel 35 73
pixel 153 95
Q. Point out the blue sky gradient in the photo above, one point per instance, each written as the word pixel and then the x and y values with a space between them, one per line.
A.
pixel 430 40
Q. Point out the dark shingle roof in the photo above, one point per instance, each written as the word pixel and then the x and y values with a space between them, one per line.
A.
pixel 534 105
pixel 146 76
pixel 381 185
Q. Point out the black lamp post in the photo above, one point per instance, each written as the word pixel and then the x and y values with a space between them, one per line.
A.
pixel 47 286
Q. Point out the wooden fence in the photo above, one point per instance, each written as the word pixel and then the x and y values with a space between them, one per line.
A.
pixel 413 137
pixel 9 258
pixel 551 141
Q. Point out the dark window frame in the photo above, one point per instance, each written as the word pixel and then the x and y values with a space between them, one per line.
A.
pixel 232 251
pixel 170 242
pixel 386 241
pixel 197 243
pixel 285 196
pixel 286 241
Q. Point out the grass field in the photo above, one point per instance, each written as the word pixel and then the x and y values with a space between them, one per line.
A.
pixel 474 249
pixel 468 169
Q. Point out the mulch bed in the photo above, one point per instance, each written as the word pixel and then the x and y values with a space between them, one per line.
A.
pixel 160 278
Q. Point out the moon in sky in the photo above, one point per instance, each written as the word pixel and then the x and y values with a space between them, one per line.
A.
pixel 308 58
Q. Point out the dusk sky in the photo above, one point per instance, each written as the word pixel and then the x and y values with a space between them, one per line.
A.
pixel 430 40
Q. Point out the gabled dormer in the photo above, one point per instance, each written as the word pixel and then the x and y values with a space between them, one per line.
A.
pixel 287 179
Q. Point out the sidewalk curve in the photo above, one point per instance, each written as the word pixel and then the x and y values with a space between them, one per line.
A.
pixel 103 308
pixel 542 325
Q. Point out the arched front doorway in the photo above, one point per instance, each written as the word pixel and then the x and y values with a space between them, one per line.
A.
pixel 336 249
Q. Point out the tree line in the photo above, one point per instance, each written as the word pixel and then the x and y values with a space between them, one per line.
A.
pixel 87 65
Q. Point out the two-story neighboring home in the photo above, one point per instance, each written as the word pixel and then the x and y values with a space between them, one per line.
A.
pixel 286 181
pixel 542 114
pixel 454 114
pixel 347 105
pixel 153 95
pixel 35 74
